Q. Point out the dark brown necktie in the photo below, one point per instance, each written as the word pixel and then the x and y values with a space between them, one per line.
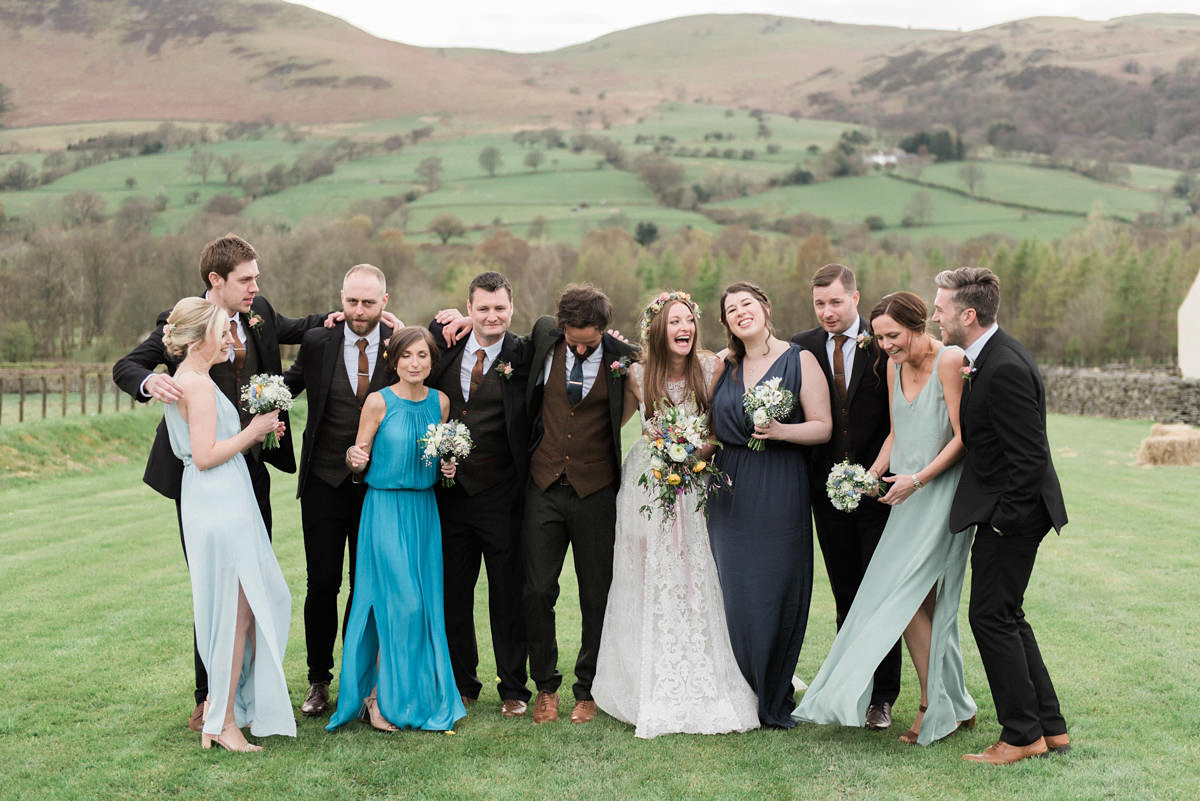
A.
pixel 839 366
pixel 239 348
pixel 364 372
pixel 477 372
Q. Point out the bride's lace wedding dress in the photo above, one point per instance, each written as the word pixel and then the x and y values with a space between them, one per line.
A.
pixel 665 663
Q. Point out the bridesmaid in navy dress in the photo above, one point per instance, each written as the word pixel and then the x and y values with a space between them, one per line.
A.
pixel 761 531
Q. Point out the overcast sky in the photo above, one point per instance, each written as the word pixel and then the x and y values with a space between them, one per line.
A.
pixel 530 26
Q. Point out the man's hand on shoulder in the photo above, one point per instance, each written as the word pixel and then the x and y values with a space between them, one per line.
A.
pixel 163 387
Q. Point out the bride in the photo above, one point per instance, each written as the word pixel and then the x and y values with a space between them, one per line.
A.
pixel 665 664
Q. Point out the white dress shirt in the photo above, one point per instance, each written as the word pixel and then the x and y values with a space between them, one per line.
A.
pixel 591 366
pixel 468 361
pixel 350 354
pixel 849 348
pixel 975 348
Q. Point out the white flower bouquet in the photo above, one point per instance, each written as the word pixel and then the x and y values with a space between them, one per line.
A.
pixel 675 437
pixel 266 393
pixel 846 485
pixel 447 442
pixel 765 402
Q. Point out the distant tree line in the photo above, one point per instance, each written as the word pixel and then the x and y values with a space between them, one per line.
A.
pixel 89 285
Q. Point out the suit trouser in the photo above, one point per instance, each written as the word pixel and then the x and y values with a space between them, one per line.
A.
pixel 555 519
pixel 484 526
pixel 260 480
pixel 1026 704
pixel 848 541
pixel 330 518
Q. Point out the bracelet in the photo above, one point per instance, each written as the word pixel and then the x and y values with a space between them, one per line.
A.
pixel 916 482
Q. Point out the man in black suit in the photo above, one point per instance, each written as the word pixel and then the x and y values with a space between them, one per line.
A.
pixel 229 269
pixel 575 399
pixel 338 367
pixel 1010 493
pixel 485 376
pixel 858 396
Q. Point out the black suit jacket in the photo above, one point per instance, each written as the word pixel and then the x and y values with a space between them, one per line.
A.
pixel 1007 472
pixel 543 339
pixel 313 371
pixel 516 352
pixel 164 472
pixel 867 399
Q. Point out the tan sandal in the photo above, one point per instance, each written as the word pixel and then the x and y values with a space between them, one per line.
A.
pixel 910 737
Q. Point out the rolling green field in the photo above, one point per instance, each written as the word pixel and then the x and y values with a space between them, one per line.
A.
pixel 95 610
pixel 576 191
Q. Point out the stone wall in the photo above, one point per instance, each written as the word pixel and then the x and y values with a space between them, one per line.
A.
pixel 1162 396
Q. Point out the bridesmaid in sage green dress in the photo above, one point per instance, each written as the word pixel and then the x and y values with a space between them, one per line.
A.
pixel 240 603
pixel 915 579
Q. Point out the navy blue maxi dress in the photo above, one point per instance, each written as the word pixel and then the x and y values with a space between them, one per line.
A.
pixel 761 536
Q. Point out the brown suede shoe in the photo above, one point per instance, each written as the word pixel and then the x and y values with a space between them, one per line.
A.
pixel 879 716
pixel 196 721
pixel 317 700
pixel 584 712
pixel 513 708
pixel 1001 753
pixel 545 709
pixel 1058 743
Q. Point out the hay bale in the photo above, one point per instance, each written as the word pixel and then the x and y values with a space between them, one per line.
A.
pixel 1174 444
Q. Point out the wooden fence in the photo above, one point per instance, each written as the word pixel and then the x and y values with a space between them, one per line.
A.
pixel 39 392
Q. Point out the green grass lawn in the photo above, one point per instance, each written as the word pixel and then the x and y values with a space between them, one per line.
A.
pixel 851 200
pixel 95 611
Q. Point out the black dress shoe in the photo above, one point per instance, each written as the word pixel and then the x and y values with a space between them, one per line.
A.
pixel 879 716
pixel 317 700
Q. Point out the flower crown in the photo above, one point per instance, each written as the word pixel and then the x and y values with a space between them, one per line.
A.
pixel 661 302
pixel 167 329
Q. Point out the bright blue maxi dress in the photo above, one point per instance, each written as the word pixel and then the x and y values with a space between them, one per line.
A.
pixel 396 635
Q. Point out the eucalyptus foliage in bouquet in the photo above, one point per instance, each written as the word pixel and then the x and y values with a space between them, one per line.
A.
pixel 266 393
pixel 675 437
pixel 447 442
pixel 846 485
pixel 765 402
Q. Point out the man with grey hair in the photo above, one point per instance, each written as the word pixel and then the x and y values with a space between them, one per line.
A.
pixel 1010 492
pixel 339 367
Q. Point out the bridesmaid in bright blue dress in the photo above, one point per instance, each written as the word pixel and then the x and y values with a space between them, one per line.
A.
pixel 240 603
pixel 395 661
pixel 915 579
pixel 761 532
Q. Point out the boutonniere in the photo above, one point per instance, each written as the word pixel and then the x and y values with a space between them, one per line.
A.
pixel 254 321
pixel 864 340
pixel 503 369
pixel 620 367
pixel 968 372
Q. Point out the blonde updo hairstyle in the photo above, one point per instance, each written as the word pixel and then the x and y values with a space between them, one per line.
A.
pixel 190 323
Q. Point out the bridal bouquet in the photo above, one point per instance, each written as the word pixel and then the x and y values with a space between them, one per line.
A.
pixel 266 393
pixel 846 485
pixel 766 402
pixel 447 442
pixel 675 437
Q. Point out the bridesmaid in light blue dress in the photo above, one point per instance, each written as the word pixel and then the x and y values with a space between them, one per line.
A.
pixel 240 602
pixel 396 667
pixel 915 579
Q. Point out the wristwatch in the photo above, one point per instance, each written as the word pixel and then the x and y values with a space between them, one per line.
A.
pixel 916 482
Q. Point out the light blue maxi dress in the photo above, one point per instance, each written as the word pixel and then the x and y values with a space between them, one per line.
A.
pixel 916 553
pixel 396 633
pixel 227 544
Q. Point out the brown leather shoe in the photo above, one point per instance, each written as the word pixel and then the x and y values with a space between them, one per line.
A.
pixel 545 709
pixel 317 700
pixel 584 712
pixel 513 708
pixel 879 716
pixel 1058 743
pixel 1001 753
pixel 196 721
pixel 466 699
